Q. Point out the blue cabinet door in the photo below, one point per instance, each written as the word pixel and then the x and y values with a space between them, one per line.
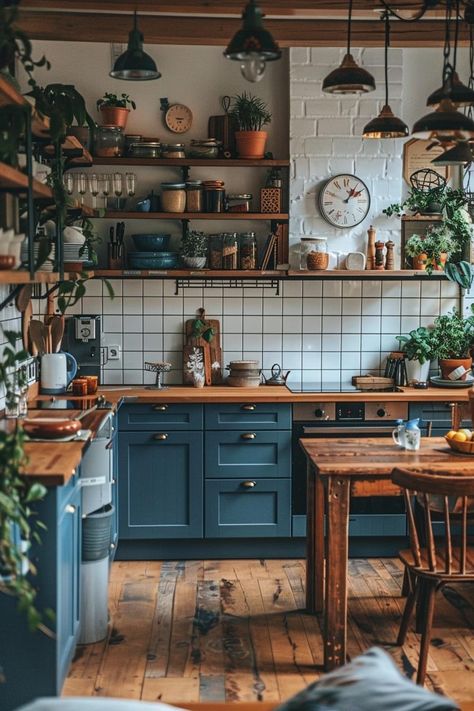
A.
pixel 150 417
pixel 256 416
pixel 160 485
pixel 259 508
pixel 244 454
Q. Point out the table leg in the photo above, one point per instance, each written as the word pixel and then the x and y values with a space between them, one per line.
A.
pixel 310 557
pixel 335 609
pixel 319 553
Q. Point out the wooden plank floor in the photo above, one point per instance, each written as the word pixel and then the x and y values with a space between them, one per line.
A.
pixel 234 630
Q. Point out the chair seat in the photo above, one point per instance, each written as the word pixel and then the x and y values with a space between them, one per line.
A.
pixel 406 556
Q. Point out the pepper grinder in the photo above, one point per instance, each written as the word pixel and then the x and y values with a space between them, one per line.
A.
pixel 389 257
pixel 371 249
pixel 379 255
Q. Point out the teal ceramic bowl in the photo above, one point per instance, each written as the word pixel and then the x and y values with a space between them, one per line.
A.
pixel 152 260
pixel 151 242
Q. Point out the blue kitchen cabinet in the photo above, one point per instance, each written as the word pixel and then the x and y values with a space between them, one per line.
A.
pixel 161 484
pixel 173 416
pixel 438 413
pixel 255 416
pixel 258 508
pixel 32 663
pixel 244 454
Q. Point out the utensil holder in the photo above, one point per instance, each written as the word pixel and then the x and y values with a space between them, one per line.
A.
pixel 114 262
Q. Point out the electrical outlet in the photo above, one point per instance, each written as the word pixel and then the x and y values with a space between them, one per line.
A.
pixel 113 352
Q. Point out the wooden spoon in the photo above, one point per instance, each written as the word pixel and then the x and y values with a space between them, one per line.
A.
pixel 23 297
pixel 57 333
pixel 37 335
pixel 25 329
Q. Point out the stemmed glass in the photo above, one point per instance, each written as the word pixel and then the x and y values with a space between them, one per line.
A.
pixel 82 185
pixel 94 188
pixel 117 181
pixel 130 183
pixel 68 180
pixel 105 187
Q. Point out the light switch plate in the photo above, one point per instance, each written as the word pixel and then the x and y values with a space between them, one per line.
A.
pixel 113 352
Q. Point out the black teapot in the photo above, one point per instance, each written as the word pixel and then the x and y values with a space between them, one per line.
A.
pixel 278 377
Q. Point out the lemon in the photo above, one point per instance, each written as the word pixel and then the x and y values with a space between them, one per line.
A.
pixel 467 432
pixel 450 434
pixel 460 437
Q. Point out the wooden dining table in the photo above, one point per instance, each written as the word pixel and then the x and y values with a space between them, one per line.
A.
pixel 336 470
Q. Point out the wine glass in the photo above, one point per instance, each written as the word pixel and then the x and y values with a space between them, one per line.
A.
pixel 105 187
pixel 94 188
pixel 82 185
pixel 68 181
pixel 130 183
pixel 117 182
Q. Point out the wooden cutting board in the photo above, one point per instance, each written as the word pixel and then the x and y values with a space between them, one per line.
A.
pixel 212 353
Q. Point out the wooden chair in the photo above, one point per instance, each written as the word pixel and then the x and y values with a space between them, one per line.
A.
pixel 447 559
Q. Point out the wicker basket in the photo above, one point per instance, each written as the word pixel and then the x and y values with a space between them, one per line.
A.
pixel 316 261
pixel 464 447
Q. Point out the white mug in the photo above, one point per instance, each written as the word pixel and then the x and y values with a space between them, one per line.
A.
pixel 398 436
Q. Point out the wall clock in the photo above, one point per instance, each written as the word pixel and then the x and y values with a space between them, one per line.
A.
pixel 178 117
pixel 344 201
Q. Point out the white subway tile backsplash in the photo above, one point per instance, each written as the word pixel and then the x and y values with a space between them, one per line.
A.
pixel 133 287
pixel 331 342
pixel 371 324
pixel 133 324
pixel 252 341
pixel 332 306
pixel 331 324
pixel 272 342
pixel 153 341
pixel 312 342
pixel 310 360
pixel 152 287
pixel 351 324
pixel 292 324
pixel 291 306
pixel 253 324
pixel 132 341
pixel 133 305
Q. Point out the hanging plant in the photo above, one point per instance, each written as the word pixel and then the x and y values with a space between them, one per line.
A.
pixel 15 44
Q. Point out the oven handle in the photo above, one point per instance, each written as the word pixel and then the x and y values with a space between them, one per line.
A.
pixel 347 430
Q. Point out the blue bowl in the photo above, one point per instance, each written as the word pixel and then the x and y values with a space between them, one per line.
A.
pixel 151 242
pixel 164 260
pixel 143 205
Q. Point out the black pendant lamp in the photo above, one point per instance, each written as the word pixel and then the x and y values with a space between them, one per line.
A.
pixel 252 45
pixel 460 154
pixel 135 64
pixel 446 121
pixel 349 78
pixel 460 94
pixel 386 125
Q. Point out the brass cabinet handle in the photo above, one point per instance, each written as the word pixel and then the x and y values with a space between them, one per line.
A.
pixel 70 508
pixel 160 408
pixel 250 408
pixel 249 484
pixel 248 435
pixel 160 437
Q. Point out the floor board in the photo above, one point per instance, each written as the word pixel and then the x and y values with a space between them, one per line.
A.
pixel 235 630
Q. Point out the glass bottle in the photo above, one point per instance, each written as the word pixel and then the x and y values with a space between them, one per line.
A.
pixel 230 250
pixel 247 250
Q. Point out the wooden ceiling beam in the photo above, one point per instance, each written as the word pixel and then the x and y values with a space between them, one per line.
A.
pixel 87 27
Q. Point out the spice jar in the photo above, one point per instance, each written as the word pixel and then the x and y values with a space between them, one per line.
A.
pixel 216 247
pixel 173 150
pixel 247 250
pixel 173 197
pixel 230 250
pixel 239 203
pixel 313 246
pixel 194 194
pixel 214 195
pixel 109 141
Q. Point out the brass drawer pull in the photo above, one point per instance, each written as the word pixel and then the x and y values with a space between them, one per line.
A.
pixel 249 484
pixel 249 408
pixel 248 435
pixel 70 508
pixel 160 437
pixel 160 408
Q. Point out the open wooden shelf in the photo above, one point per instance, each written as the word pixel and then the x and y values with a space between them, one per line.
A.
pixel 372 274
pixel 10 95
pixel 21 277
pixel 194 162
pixel 13 179
pixel 188 273
pixel 119 215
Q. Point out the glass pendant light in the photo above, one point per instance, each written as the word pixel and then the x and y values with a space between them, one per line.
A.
pixel 135 64
pixel 252 45
pixel 386 125
pixel 349 78
pixel 460 154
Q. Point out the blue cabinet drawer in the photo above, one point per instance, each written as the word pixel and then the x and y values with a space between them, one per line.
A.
pixel 248 509
pixel 173 416
pixel 258 416
pixel 160 485
pixel 247 453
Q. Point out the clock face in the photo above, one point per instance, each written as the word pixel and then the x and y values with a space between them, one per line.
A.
pixel 178 118
pixel 344 201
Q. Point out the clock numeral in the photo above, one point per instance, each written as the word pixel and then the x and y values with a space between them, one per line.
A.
pixel 346 182
pixel 337 185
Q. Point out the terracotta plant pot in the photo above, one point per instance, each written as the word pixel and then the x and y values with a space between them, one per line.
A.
pixel 443 258
pixel 114 116
pixel 447 366
pixel 251 144
pixel 420 261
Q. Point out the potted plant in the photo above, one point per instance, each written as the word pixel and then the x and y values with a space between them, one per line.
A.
pixel 250 114
pixel 64 105
pixel 194 249
pixel 432 250
pixel 418 349
pixel 114 109
pixel 15 44
pixel 451 339
pixel 424 202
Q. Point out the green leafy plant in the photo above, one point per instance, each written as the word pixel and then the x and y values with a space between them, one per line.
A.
pixel 120 102
pixel 71 290
pixel 461 273
pixel 452 335
pixel 18 494
pixel 15 44
pixel 250 112
pixel 418 201
pixel 437 241
pixel 417 345
pixel 194 244
pixel 64 105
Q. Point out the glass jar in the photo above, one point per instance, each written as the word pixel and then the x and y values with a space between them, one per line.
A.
pixel 173 197
pixel 239 203
pixel 313 246
pixel 215 251
pixel 230 250
pixel 109 141
pixel 214 198
pixel 194 196
pixel 208 148
pixel 247 250
pixel 173 150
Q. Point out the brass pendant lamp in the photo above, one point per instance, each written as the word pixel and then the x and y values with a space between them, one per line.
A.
pixel 349 78
pixel 386 124
pixel 460 154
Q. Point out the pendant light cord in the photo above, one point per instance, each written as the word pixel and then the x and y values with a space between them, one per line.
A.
pixel 349 26
pixel 386 17
pixel 447 66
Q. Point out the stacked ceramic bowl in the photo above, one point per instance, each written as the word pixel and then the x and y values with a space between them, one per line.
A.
pixel 244 373
pixel 151 252
pixel 73 243
pixel 47 265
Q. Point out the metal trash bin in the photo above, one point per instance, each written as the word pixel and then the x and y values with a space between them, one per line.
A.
pixel 96 539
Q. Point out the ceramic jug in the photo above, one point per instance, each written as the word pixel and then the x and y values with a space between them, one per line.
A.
pixel 57 371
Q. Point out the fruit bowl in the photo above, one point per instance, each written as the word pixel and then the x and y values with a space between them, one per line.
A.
pixel 464 447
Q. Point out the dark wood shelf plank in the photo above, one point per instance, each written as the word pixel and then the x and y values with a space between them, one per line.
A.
pixel 194 162
pixel 279 217
pixel 14 179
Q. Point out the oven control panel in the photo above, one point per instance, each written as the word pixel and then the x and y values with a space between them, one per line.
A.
pixel 349 411
pixel 386 411
pixel 353 411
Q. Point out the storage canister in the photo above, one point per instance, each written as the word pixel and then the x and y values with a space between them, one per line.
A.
pixel 109 141
pixel 314 253
pixel 173 150
pixel 230 250
pixel 239 203
pixel 194 193
pixel 247 250
pixel 173 197
pixel 208 148
pixel 244 373
pixel 214 195
pixel 216 246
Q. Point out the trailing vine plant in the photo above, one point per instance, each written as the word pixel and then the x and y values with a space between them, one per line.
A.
pixel 18 494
